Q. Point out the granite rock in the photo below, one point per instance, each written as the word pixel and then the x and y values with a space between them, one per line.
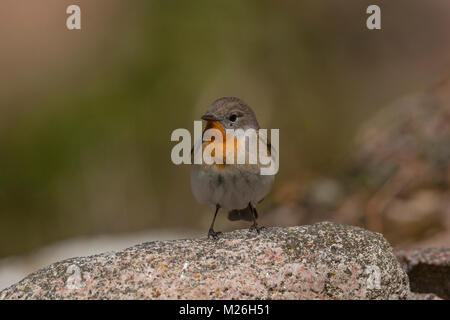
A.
pixel 320 261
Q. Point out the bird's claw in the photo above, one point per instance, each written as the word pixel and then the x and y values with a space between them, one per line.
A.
pixel 213 234
pixel 255 227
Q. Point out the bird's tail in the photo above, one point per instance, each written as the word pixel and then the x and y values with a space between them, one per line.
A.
pixel 242 214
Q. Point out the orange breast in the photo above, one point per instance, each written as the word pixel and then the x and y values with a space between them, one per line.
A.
pixel 219 144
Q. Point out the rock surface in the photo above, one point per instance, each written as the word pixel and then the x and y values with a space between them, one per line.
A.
pixel 428 270
pixel 320 261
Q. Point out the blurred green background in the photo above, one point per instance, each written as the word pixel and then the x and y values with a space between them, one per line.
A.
pixel 86 116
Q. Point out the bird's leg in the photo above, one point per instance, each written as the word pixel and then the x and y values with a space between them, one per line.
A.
pixel 254 226
pixel 211 233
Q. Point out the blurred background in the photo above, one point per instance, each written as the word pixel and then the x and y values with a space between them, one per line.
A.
pixel 86 117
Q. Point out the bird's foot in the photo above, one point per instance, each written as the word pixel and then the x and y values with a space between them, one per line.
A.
pixel 213 234
pixel 255 227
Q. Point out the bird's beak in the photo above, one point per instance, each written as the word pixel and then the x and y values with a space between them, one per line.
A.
pixel 210 117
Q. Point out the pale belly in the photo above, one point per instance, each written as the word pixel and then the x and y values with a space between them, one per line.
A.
pixel 232 187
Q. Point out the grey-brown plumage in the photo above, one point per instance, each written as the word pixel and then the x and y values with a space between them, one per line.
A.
pixel 223 109
pixel 243 214
pixel 236 188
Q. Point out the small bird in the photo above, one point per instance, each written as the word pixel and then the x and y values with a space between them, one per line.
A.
pixel 236 188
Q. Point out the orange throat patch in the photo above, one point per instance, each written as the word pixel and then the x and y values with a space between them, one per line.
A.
pixel 219 144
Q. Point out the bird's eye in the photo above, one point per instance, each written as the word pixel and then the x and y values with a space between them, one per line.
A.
pixel 233 118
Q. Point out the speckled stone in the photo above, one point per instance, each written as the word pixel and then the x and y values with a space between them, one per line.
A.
pixel 423 296
pixel 320 261
pixel 428 270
